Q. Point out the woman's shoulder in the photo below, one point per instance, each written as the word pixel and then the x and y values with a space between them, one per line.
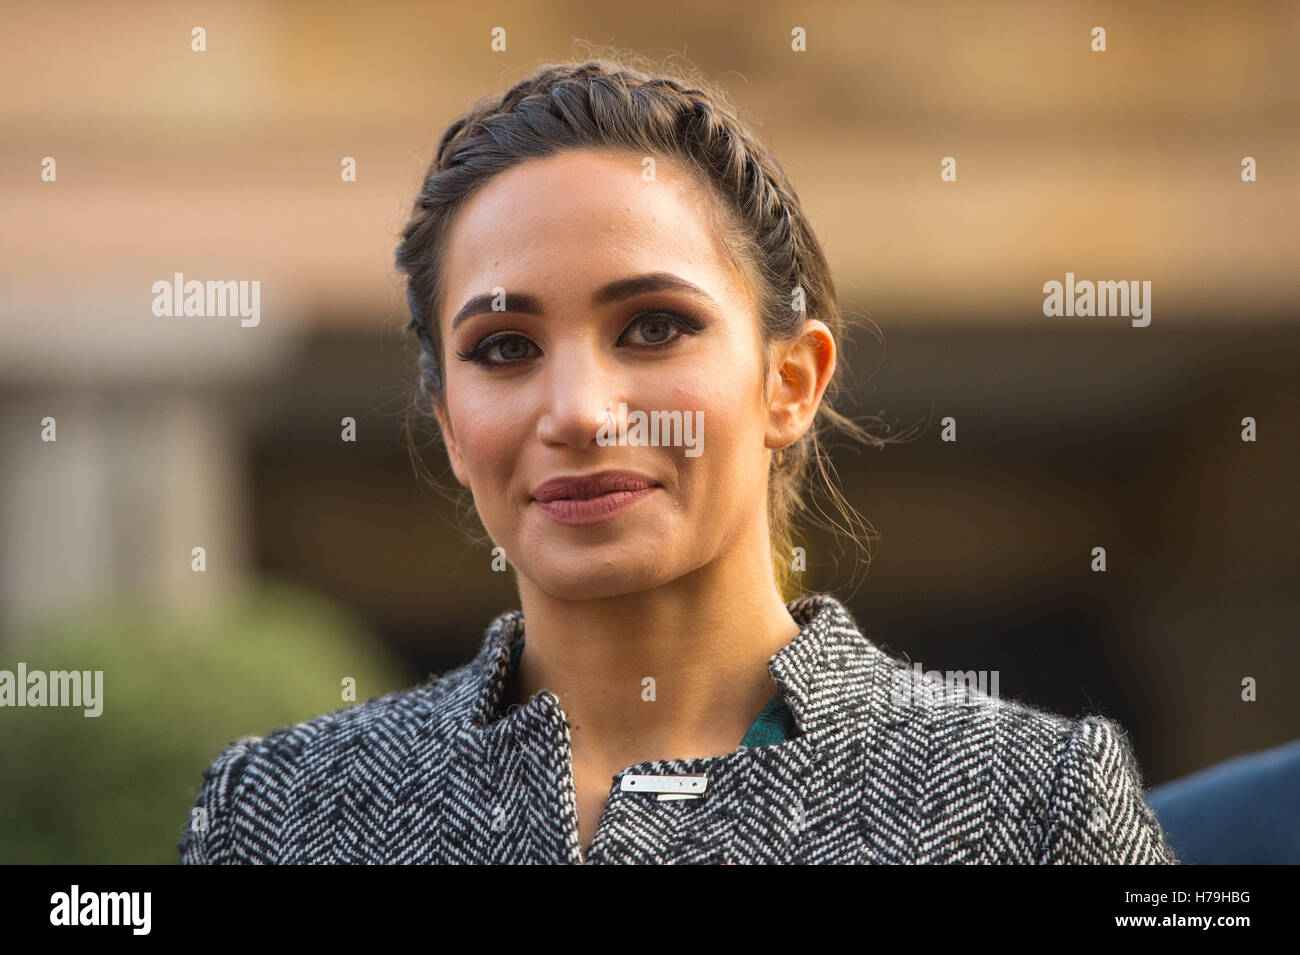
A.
pixel 262 778
pixel 435 702
pixel 1066 788
pixel 966 708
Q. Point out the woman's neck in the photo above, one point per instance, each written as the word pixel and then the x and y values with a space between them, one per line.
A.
pixel 673 672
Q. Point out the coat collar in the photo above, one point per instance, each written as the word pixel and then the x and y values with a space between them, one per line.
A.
pixel 810 671
pixel 511 773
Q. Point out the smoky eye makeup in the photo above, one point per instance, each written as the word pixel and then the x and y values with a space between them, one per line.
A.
pixel 684 322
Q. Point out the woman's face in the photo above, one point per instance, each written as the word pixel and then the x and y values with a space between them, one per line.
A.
pixel 580 345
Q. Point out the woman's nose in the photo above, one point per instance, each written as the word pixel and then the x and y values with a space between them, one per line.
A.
pixel 581 398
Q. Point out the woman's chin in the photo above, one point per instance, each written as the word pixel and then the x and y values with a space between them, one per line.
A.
pixel 588 580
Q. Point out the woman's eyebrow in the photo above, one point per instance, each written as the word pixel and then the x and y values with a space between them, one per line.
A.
pixel 528 304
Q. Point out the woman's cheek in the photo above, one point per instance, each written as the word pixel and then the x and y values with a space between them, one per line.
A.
pixel 487 434
pixel 719 418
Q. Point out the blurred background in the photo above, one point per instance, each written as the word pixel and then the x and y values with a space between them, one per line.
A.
pixel 329 560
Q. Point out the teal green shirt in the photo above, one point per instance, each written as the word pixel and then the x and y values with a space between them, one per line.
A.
pixel 774 724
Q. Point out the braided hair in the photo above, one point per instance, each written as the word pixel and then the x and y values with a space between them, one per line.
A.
pixel 606 104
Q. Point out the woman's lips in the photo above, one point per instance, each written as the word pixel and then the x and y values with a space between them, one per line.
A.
pixel 591 498
pixel 593 510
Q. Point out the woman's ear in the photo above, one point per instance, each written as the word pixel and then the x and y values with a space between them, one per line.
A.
pixel 801 370
pixel 449 439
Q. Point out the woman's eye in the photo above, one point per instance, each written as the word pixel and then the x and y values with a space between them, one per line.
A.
pixel 654 330
pixel 511 348
pixel 659 328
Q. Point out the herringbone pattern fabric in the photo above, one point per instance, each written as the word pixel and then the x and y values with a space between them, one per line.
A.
pixel 883 770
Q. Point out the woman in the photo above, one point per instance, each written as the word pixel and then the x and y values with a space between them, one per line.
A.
pixel 628 330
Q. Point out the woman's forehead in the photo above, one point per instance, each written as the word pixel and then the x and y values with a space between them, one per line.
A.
pixel 582 217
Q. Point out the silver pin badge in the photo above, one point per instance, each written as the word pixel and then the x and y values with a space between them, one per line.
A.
pixel 668 787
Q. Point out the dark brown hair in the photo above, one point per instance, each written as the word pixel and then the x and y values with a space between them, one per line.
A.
pixel 606 104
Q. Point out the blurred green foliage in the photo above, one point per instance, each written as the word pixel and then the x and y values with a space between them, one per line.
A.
pixel 118 788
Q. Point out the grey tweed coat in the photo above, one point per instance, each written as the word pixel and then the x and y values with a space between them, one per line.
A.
pixel 884 769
